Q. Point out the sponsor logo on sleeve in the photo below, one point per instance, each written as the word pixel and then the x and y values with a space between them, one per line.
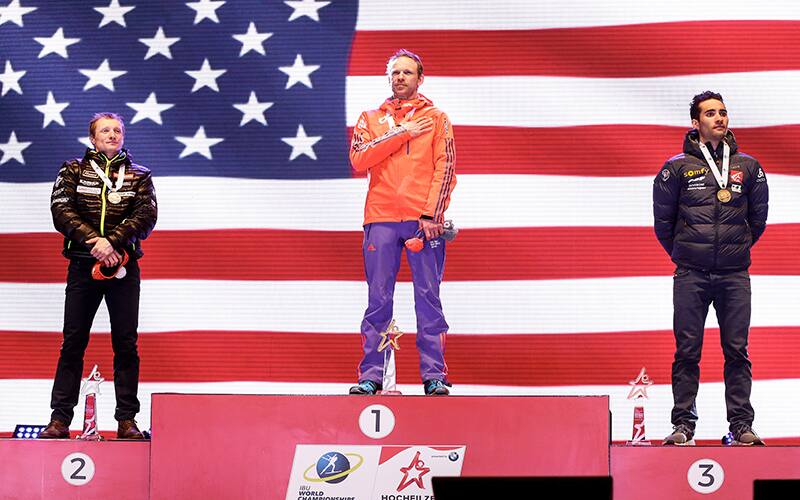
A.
pixel 665 175
pixel 761 177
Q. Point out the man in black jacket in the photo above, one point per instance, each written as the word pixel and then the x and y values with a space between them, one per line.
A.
pixel 710 207
pixel 104 205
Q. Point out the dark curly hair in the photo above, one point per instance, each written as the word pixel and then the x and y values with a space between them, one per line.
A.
pixel 694 106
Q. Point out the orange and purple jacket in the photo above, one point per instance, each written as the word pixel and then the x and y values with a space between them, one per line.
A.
pixel 408 178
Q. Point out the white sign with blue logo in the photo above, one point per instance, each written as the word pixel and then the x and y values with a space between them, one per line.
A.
pixel 368 472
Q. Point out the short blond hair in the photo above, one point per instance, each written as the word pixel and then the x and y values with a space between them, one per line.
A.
pixel 403 53
pixel 105 114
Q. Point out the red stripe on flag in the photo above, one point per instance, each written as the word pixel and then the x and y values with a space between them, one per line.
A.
pixel 642 50
pixel 513 360
pixel 604 150
pixel 504 253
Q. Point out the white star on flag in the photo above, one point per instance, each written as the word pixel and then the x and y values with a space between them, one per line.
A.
pixel 114 13
pixel 308 8
pixel 206 77
pixel 86 141
pixel 299 72
pixel 149 109
pixel 103 76
pixel 253 110
pixel 10 79
pixel 302 144
pixel 55 44
pixel 12 150
pixel 206 9
pixel 159 44
pixel 13 12
pixel 252 40
pixel 199 143
pixel 51 110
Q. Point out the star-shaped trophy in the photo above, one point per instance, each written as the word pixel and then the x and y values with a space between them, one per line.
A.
pixel 91 388
pixel 639 392
pixel 639 385
pixel 388 346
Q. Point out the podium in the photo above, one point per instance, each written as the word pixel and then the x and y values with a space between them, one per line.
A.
pixel 69 469
pixel 697 472
pixel 280 447
pixel 221 446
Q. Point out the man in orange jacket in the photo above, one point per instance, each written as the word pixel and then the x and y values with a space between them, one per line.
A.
pixel 407 147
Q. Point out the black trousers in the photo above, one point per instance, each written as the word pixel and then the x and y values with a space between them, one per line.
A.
pixel 693 292
pixel 83 297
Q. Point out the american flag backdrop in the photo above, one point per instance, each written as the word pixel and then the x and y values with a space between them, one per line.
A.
pixel 563 113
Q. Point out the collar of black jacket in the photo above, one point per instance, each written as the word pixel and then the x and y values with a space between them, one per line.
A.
pixel 691 144
pixel 122 157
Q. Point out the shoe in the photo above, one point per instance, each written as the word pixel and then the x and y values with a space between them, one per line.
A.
pixel 682 435
pixel 366 388
pixel 744 435
pixel 127 429
pixel 436 387
pixel 56 429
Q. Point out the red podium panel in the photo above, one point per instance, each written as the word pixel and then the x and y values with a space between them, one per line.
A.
pixel 34 469
pixel 698 472
pixel 243 446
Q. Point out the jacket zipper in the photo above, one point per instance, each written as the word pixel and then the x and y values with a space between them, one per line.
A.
pixel 103 202
pixel 716 226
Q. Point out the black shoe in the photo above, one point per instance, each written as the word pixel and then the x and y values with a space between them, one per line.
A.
pixel 366 388
pixel 744 435
pixel 436 387
pixel 682 435
pixel 56 429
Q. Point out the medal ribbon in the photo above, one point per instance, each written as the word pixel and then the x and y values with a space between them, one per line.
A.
pixel 722 177
pixel 390 118
pixel 398 110
pixel 106 180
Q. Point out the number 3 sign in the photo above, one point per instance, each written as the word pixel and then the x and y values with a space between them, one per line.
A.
pixel 705 476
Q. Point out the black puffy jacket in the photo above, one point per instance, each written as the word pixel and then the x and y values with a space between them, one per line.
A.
pixel 696 229
pixel 81 210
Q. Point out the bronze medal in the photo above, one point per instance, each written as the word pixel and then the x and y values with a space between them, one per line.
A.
pixel 724 195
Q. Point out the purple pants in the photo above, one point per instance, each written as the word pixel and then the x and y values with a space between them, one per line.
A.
pixel 383 246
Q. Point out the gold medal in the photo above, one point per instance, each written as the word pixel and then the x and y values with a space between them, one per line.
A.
pixel 724 195
pixel 115 197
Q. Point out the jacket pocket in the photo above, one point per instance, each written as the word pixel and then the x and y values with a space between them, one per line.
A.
pixel 680 272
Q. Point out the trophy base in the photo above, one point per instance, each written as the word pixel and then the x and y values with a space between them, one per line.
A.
pixel 638 443
pixel 390 393
pixel 90 437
